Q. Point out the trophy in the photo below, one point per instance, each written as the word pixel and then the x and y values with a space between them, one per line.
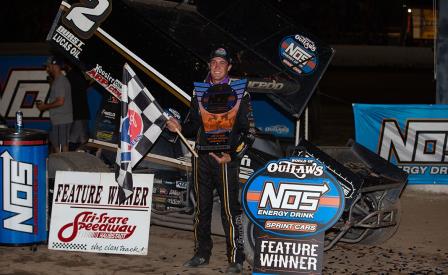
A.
pixel 218 106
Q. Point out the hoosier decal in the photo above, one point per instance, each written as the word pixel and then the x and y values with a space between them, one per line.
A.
pixel 104 78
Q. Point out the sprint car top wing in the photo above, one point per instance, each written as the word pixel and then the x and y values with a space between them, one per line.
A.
pixel 169 43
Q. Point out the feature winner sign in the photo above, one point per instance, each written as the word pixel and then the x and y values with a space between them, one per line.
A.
pixel 292 202
pixel 86 215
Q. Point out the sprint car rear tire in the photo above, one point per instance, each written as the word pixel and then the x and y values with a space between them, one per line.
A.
pixel 378 235
pixel 249 240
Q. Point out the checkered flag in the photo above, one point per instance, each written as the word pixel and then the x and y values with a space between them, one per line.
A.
pixel 142 121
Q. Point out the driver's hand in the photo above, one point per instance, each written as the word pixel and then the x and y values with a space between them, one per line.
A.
pixel 172 124
pixel 225 158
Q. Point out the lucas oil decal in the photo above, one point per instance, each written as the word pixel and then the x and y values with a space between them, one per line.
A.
pixel 293 197
pixel 299 54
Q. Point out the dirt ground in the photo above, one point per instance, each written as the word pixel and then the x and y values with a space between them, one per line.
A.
pixel 419 247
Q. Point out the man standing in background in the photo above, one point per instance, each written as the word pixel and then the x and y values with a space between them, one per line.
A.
pixel 59 105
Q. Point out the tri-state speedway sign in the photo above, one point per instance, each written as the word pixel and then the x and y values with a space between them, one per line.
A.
pixel 292 202
pixel 87 217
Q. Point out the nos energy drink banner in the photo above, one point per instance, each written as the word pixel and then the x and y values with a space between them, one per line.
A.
pixel 414 137
pixel 23 80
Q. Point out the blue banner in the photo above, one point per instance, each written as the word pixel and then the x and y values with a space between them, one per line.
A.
pixel 414 137
pixel 23 80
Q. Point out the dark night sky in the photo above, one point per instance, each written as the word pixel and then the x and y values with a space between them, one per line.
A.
pixel 335 21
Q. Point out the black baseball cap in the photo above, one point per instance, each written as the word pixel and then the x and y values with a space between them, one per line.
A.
pixel 223 53
pixel 55 61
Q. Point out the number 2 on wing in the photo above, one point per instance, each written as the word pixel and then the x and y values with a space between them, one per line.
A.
pixel 85 17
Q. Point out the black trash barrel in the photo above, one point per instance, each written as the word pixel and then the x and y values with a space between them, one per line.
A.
pixel 23 194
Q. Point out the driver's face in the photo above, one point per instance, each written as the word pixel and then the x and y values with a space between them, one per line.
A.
pixel 219 68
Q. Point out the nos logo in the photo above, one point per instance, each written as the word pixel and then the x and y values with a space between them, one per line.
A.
pixel 18 178
pixel 22 89
pixel 298 54
pixel 293 197
pixel 422 141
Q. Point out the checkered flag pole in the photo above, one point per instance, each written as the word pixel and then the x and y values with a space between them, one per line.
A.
pixel 142 122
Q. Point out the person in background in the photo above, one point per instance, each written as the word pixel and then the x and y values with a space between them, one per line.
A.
pixel 59 105
pixel 78 83
pixel 218 170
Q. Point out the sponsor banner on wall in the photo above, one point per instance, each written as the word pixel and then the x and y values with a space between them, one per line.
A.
pixel 414 137
pixel 87 217
pixel 292 202
pixel 23 81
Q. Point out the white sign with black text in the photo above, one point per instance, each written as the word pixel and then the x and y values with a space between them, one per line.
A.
pixel 86 215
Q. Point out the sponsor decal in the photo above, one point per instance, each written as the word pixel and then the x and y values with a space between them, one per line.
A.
pixel 174 192
pixel 271 120
pixel 293 197
pixel 105 79
pixel 174 201
pixel 112 99
pixel 159 199
pixel 181 184
pixel 18 182
pixel 298 54
pixel 261 85
pixel 277 129
pixel 268 85
pixel 108 114
pixel 68 41
pixel 245 169
pixel 135 126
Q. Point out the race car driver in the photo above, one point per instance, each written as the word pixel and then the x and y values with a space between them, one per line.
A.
pixel 218 170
